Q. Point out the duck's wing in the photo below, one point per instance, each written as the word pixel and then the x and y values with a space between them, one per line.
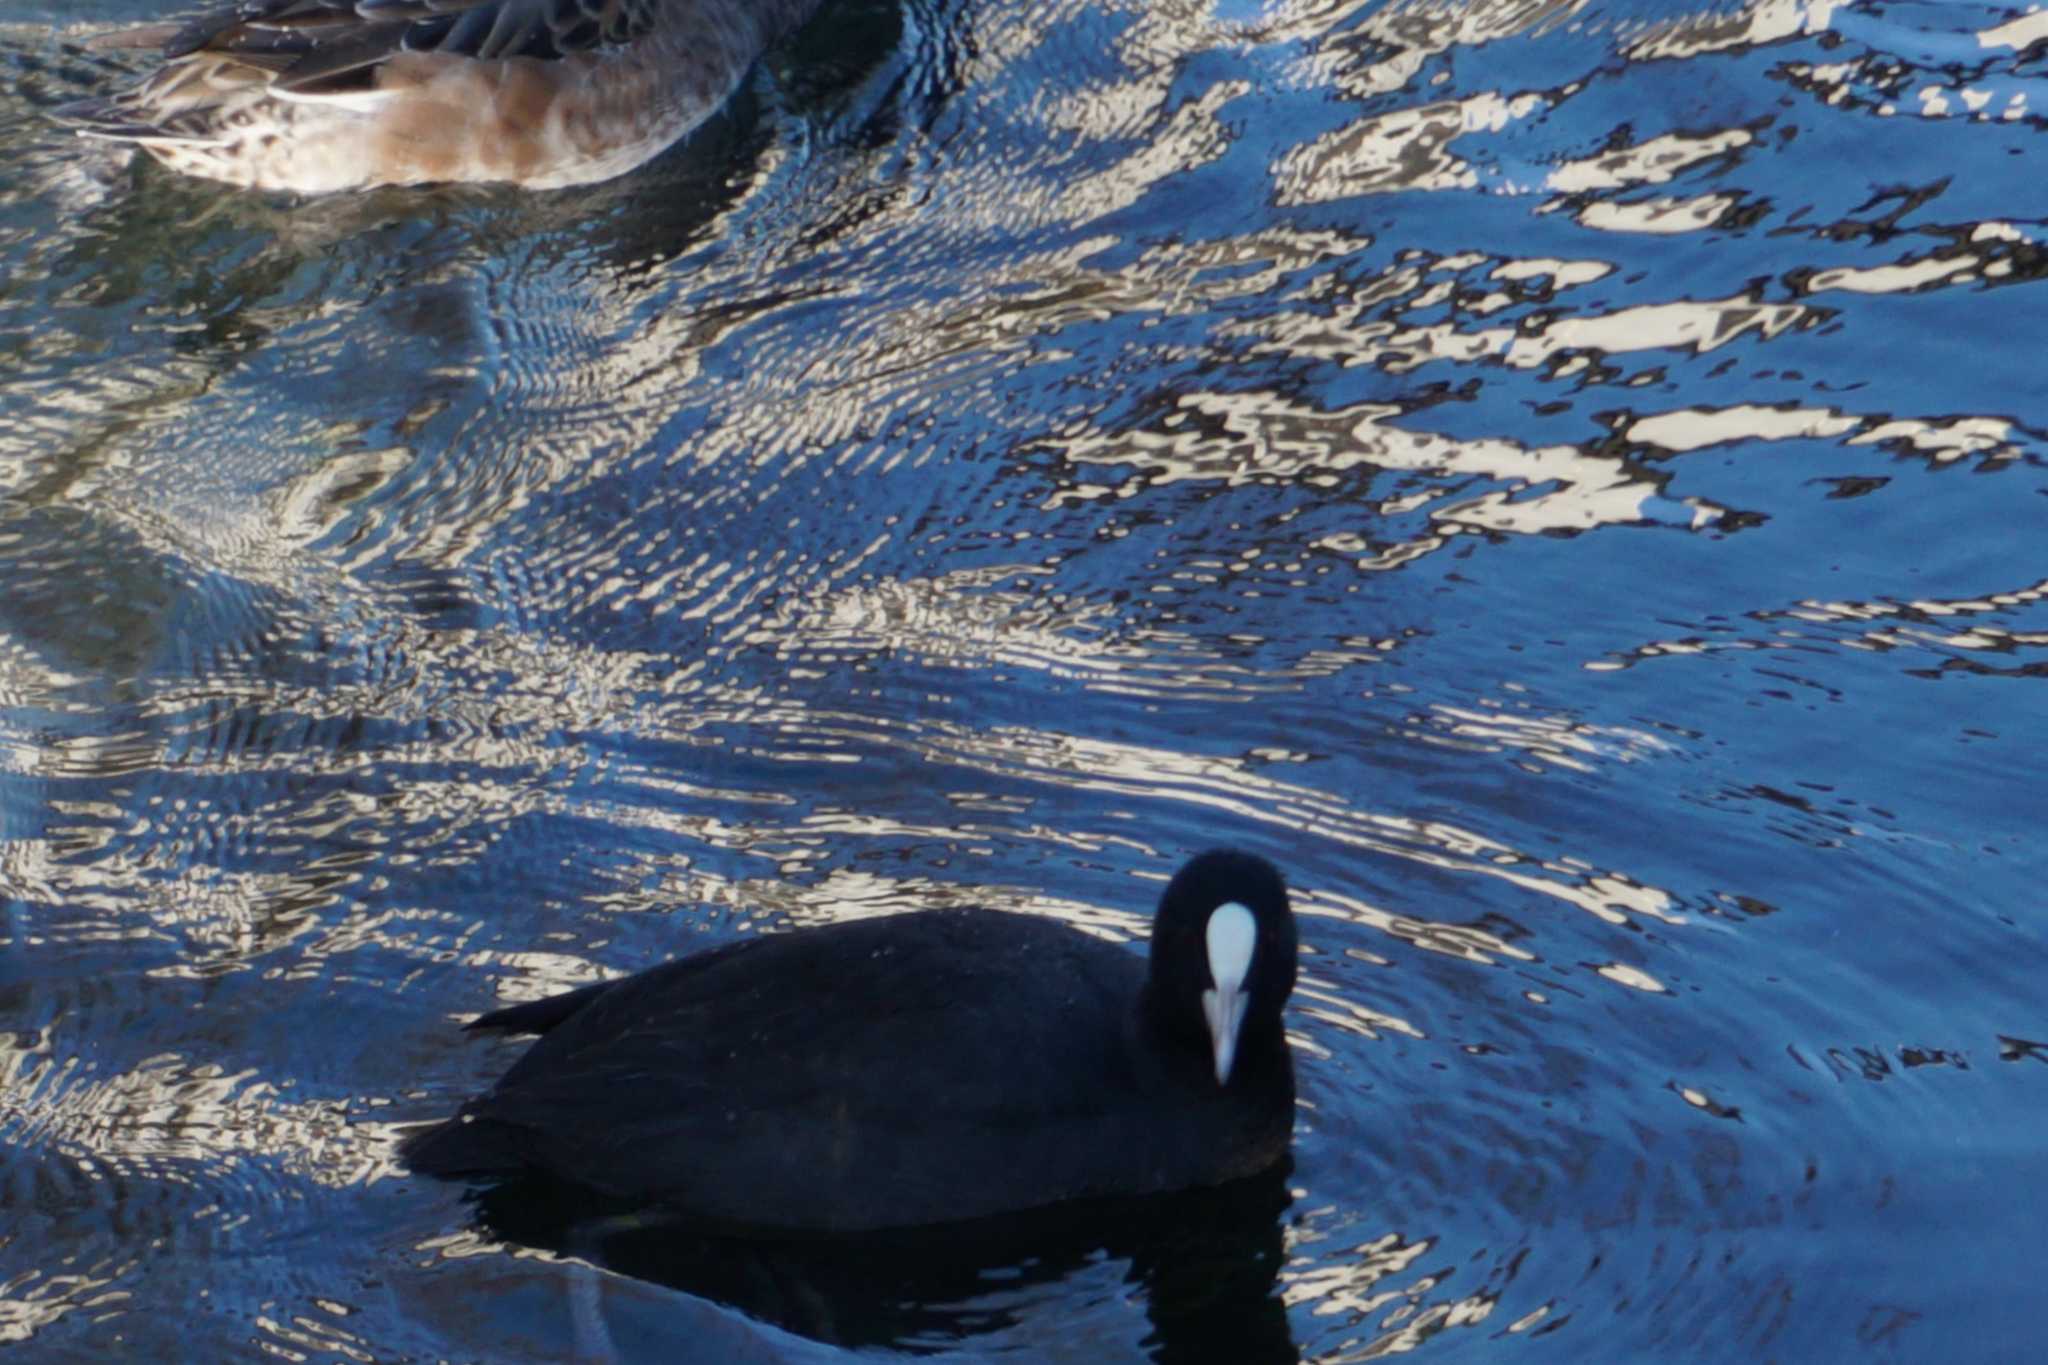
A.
pixel 313 47
pixel 332 49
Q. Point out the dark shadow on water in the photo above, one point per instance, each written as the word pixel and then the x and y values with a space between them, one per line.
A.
pixel 1205 1260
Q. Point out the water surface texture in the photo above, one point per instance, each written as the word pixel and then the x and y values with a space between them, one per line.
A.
pixel 1563 480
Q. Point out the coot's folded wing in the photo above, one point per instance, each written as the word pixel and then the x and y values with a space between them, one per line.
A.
pixel 540 1016
pixel 860 1075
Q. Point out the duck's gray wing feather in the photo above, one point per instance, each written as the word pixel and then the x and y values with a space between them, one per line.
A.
pixel 316 46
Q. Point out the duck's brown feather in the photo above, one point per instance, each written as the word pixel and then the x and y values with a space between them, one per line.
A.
pixel 318 95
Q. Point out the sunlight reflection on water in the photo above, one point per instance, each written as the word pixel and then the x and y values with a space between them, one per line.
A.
pixel 1555 477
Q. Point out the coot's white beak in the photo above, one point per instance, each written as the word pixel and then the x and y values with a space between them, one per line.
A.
pixel 1232 934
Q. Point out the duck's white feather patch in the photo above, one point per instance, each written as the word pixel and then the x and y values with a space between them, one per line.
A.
pixel 354 101
pixel 1231 935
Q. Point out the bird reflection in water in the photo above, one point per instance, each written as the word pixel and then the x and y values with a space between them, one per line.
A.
pixel 1206 1262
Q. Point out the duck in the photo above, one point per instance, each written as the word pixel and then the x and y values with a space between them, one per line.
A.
pixel 320 96
pixel 907 1071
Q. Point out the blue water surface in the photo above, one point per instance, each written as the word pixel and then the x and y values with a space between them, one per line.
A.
pixel 1559 479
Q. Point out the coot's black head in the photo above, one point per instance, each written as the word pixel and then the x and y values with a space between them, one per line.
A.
pixel 1223 950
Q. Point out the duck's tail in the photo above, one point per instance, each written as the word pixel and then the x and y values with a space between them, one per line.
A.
pixel 113 119
pixel 180 102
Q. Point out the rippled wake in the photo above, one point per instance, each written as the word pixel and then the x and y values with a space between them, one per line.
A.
pixel 1559 479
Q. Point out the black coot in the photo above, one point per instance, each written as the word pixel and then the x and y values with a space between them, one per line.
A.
pixel 907 1070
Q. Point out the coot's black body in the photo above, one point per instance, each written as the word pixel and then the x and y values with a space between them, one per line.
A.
pixel 914 1069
